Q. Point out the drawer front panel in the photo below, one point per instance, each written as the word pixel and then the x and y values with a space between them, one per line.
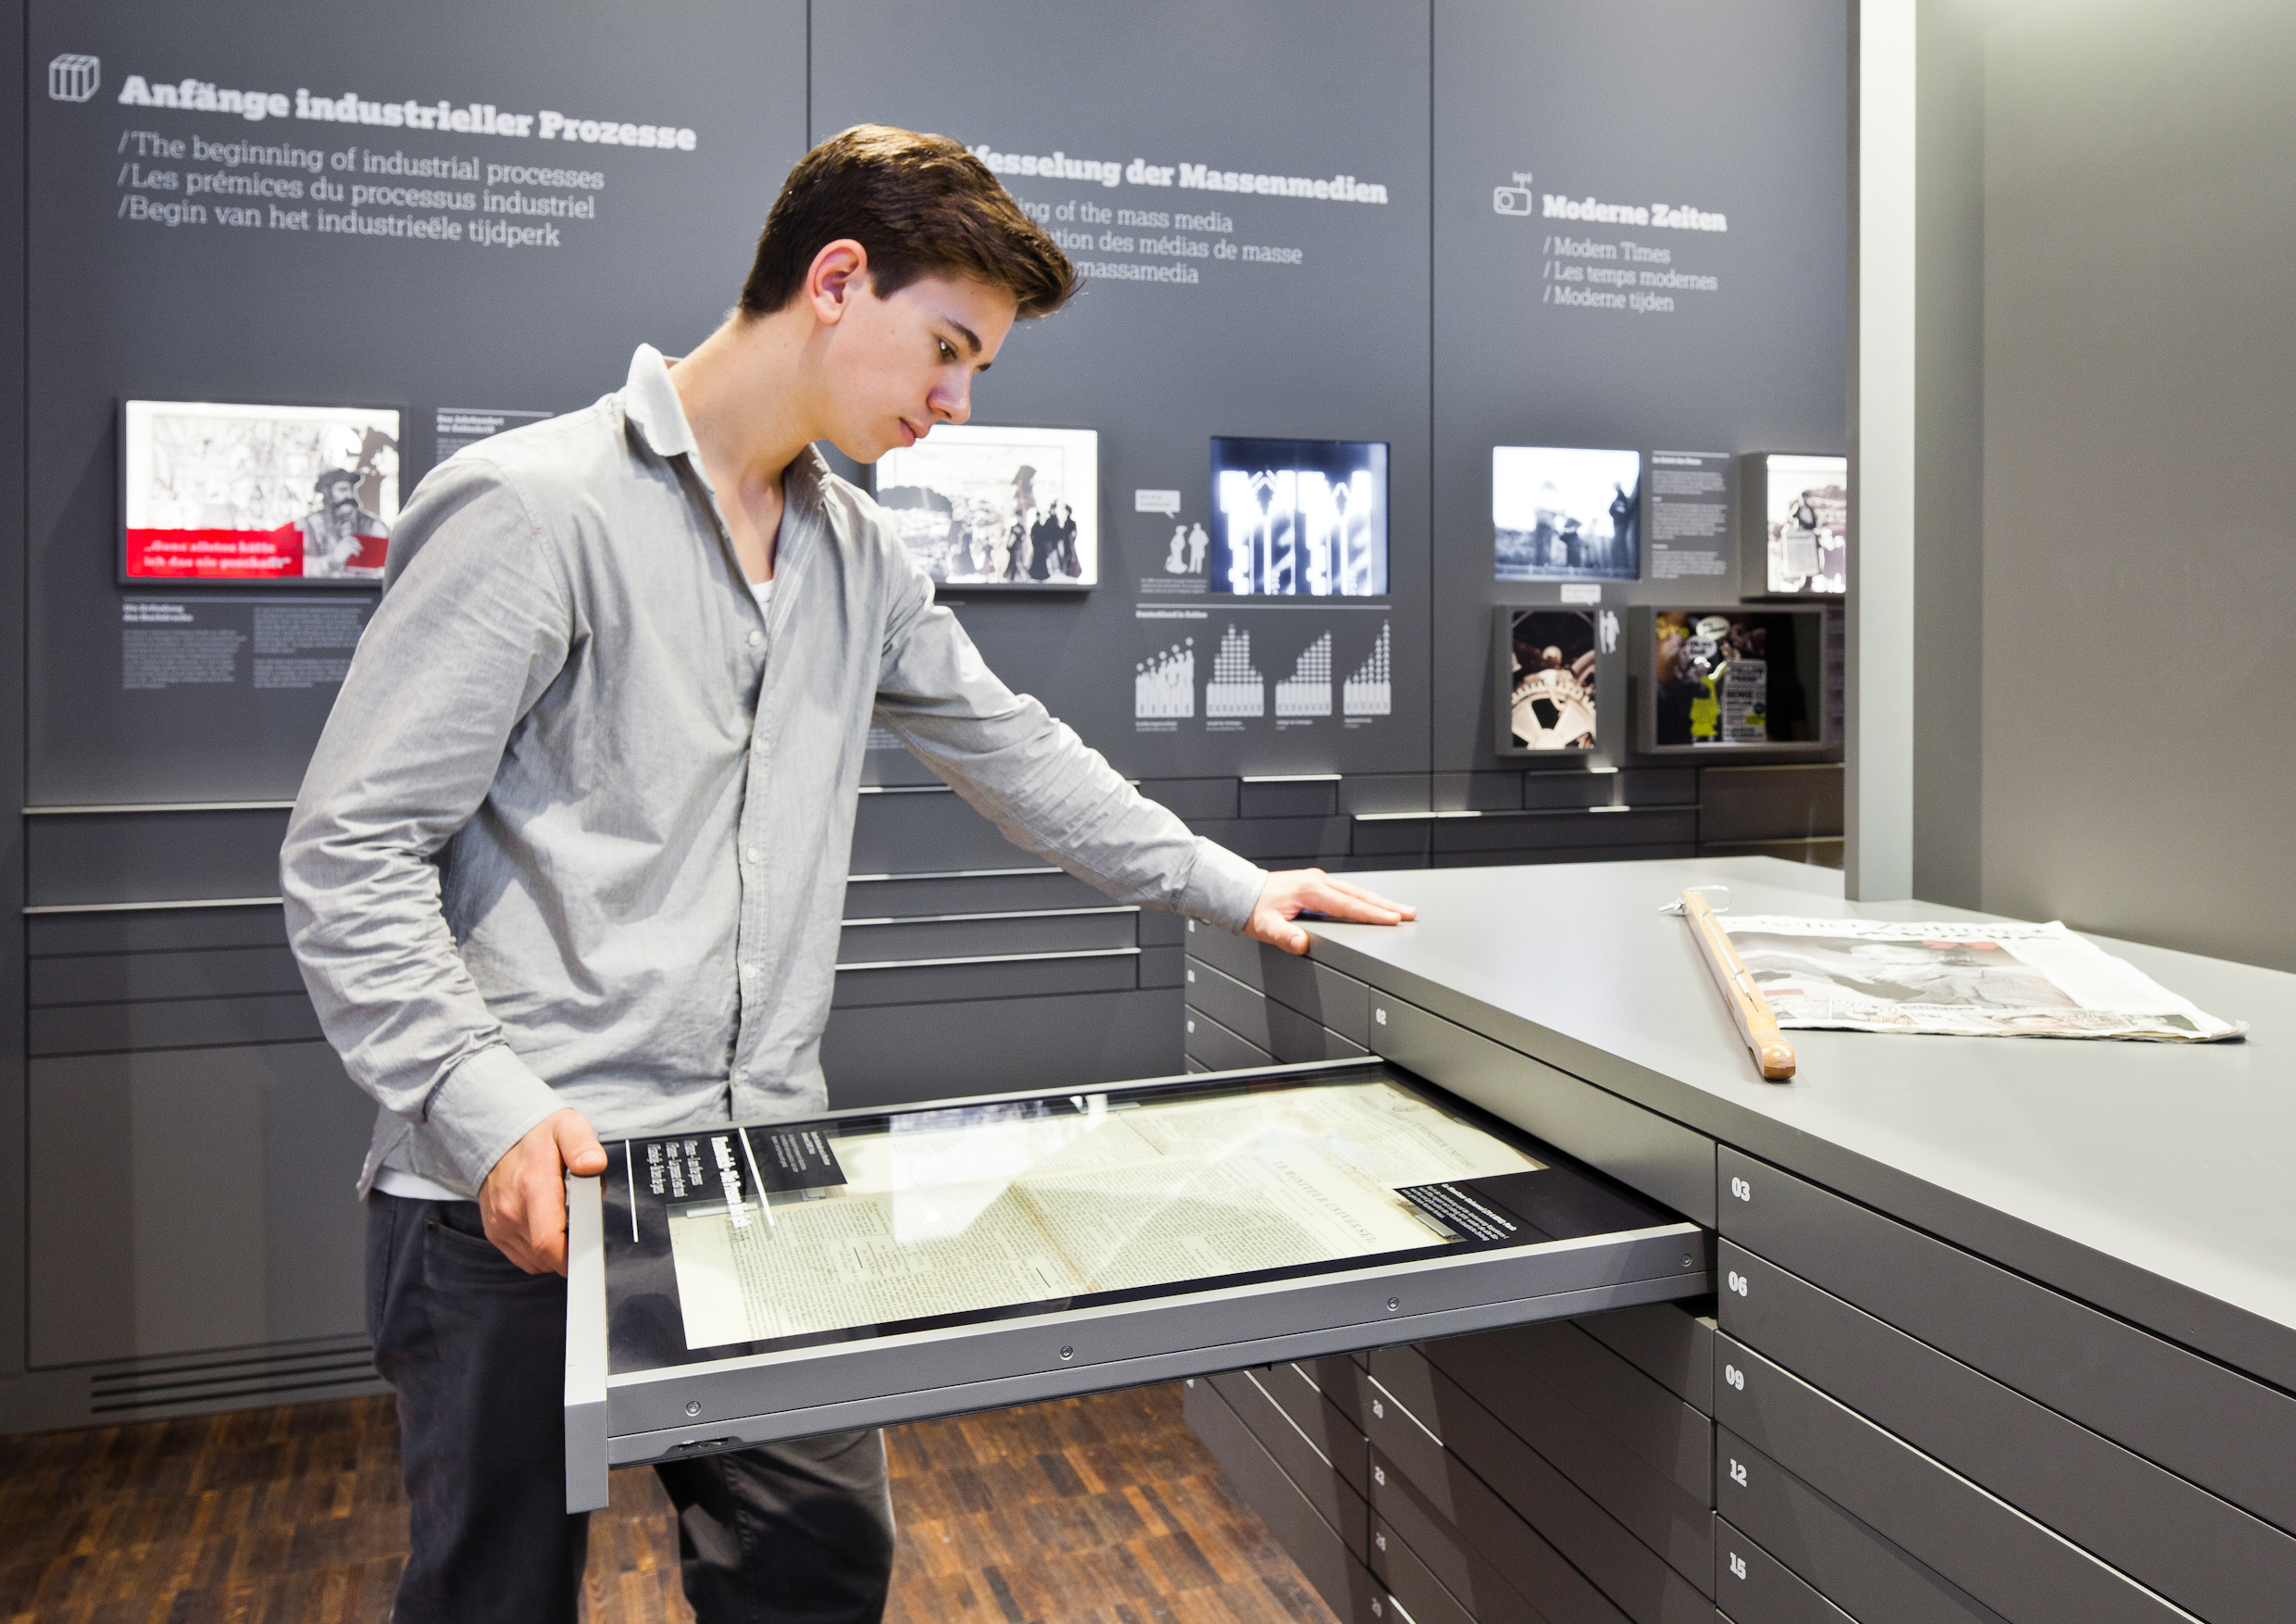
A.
pixel 1342 1581
pixel 1658 1427
pixel 1755 1587
pixel 1282 1031
pixel 1482 1548
pixel 2195 1549
pixel 1669 1519
pixel 1653 1154
pixel 1422 1596
pixel 1667 1342
pixel 1483 1453
pixel 1220 1049
pixel 2007 1561
pixel 2232 1436
pixel 1310 1471
pixel 1837 1555
pixel 1322 993
pixel 1336 1438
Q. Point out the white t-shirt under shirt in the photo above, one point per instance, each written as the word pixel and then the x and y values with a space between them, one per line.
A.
pixel 394 1181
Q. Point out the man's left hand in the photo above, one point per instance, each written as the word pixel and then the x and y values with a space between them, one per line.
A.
pixel 1303 890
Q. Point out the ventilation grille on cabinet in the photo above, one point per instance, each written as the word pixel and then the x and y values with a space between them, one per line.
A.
pixel 282 1372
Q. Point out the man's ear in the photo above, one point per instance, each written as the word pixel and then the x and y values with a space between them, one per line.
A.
pixel 838 273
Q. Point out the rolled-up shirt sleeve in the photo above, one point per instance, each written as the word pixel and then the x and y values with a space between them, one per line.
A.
pixel 1045 788
pixel 473 627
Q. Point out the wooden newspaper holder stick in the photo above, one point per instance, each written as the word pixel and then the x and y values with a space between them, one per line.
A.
pixel 1771 1052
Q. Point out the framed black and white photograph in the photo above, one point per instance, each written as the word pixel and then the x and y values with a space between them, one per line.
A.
pixel 236 494
pixel 1804 518
pixel 1299 517
pixel 983 505
pixel 1564 513
pixel 1547 664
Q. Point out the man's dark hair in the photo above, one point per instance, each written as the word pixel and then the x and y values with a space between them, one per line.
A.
pixel 921 206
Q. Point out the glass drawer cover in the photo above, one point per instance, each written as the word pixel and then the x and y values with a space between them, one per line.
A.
pixel 740 1241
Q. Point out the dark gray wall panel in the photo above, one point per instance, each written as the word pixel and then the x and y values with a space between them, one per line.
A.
pixel 1768 803
pixel 2226 1432
pixel 1069 931
pixel 968 893
pixel 1247 350
pixel 930 833
pixel 1289 797
pixel 160 930
pixel 121 977
pixel 925 983
pixel 1556 831
pixel 175 1023
pixel 2200 1552
pixel 1741 111
pixel 872 1054
pixel 153 857
pixel 121 308
pixel 149 1170
pixel 2115 407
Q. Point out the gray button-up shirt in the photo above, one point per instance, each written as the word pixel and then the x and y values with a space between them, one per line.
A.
pixel 577 832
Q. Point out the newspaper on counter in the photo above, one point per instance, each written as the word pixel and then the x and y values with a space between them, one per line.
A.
pixel 1958 979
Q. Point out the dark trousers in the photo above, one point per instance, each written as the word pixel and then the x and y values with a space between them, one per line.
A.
pixel 792 1534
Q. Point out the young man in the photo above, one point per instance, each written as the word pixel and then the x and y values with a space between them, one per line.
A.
pixel 570 855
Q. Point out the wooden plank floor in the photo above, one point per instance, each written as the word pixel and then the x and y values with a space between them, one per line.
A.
pixel 1099 1510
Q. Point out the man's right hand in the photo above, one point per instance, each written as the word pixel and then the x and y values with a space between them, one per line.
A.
pixel 523 1201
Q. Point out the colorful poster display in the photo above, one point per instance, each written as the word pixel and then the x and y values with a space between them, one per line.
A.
pixel 239 494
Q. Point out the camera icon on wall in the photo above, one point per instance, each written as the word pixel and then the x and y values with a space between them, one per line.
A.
pixel 74 77
pixel 1513 200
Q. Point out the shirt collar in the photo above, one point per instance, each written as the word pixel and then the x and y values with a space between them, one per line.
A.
pixel 651 403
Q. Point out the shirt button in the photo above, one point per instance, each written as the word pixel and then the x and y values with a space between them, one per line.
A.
pixel 755 638
pixel 749 969
pixel 750 856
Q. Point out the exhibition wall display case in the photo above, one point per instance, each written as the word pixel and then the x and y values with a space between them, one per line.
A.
pixel 458 221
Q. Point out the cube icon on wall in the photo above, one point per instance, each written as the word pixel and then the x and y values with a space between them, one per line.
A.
pixel 73 77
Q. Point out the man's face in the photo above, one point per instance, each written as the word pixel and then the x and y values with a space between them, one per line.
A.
pixel 340 501
pixel 905 363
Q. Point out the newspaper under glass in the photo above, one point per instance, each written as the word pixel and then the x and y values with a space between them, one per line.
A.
pixel 952 1212
pixel 1958 979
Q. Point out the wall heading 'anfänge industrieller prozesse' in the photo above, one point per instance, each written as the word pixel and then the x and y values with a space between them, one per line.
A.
pixel 471 118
